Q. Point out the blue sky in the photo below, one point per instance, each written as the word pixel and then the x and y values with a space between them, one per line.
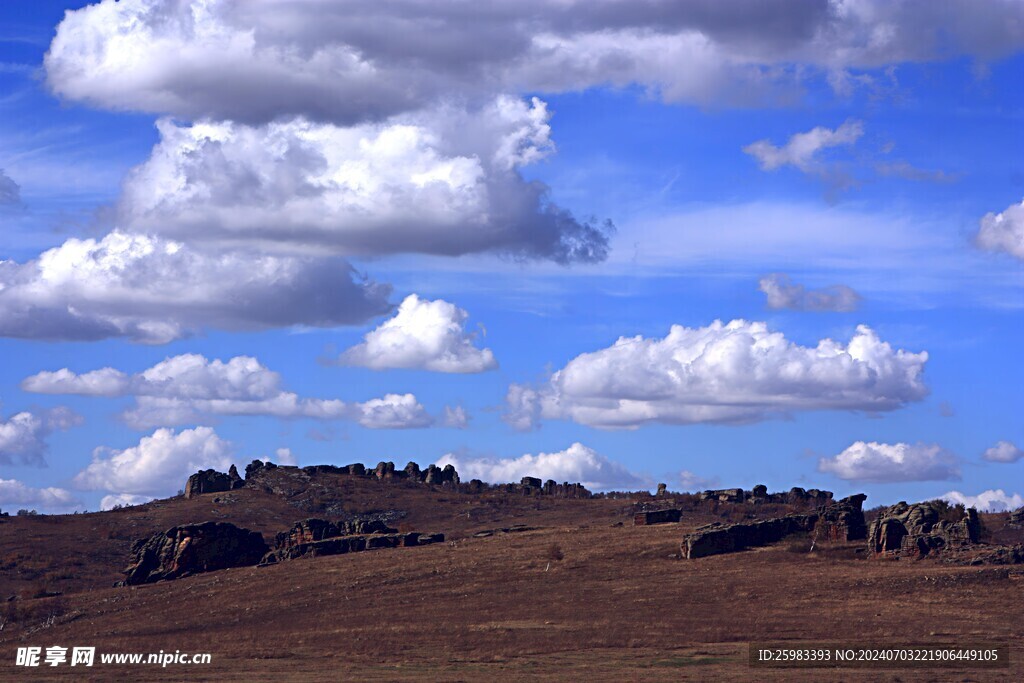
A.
pixel 282 176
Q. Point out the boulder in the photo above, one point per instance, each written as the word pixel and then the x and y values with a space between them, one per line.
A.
pixel 307 531
pixel 384 470
pixel 191 549
pixel 531 482
pixel 212 481
pixel 662 490
pixel 919 529
pixel 844 520
pixel 657 517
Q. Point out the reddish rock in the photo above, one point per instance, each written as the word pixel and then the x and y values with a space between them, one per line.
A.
pixel 191 549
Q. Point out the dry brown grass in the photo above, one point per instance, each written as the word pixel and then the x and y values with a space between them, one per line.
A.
pixel 615 607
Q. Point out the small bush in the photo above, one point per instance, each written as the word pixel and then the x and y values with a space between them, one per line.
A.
pixel 555 553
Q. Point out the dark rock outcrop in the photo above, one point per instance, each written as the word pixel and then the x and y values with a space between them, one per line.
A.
pixel 349 544
pixel 191 549
pixel 657 517
pixel 917 530
pixel 313 530
pixel 212 481
pixel 1017 516
pixel 840 521
pixel 759 495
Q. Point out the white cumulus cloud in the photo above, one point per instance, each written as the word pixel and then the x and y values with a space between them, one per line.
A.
pixel 440 182
pixel 882 462
pixel 993 500
pixel 577 463
pixel 723 373
pixel 1003 451
pixel 158 465
pixel 109 502
pixel 456 417
pixel 153 291
pixel 185 389
pixel 354 61
pixel 802 149
pixel 16 494
pixel 23 435
pixel 781 293
pixel 424 335
pixel 1003 231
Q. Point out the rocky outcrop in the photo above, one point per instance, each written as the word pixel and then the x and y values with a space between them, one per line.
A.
pixel 308 539
pixel 312 530
pixel 759 495
pixel 917 530
pixel 212 481
pixel 840 521
pixel 657 517
pixel 191 549
pixel 1017 516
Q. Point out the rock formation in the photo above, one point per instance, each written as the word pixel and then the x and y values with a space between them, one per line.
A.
pixel 759 495
pixel 212 481
pixel 840 521
pixel 917 530
pixel 1017 516
pixel 657 517
pixel 191 549
pixel 317 537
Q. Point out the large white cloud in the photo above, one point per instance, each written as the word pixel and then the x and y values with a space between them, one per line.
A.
pixel 1003 231
pixel 186 389
pixel 158 465
pixel 444 182
pixel 188 375
pixel 153 290
pixel 424 335
pixel 1003 451
pixel 726 373
pixel 993 500
pixel 23 435
pixel 109 502
pixel 801 150
pixel 353 61
pixel 577 463
pixel 780 293
pixel 882 462
pixel 16 494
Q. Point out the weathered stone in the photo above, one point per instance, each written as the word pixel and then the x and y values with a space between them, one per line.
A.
pixel 656 517
pixel 349 544
pixel 365 526
pixel 191 549
pixel 307 531
pixel 1017 516
pixel 384 470
pixel 842 521
pixel 662 490
pixel 412 470
pixel 257 466
pixel 918 530
pixel 531 482
pixel 210 481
